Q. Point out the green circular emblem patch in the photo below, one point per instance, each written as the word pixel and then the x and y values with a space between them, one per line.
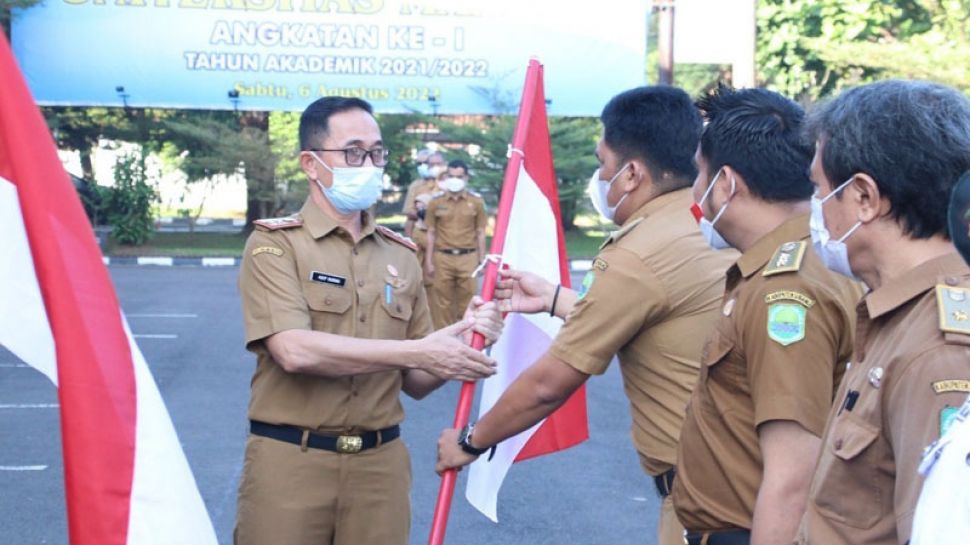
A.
pixel 786 323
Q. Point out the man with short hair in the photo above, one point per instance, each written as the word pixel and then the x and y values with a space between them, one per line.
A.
pixel 651 295
pixel 775 357
pixel 336 314
pixel 456 244
pixel 430 165
pixel 887 157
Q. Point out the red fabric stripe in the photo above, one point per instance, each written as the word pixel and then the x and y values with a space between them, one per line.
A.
pixel 94 366
pixel 568 425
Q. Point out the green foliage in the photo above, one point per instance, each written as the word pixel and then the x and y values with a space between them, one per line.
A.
pixel 811 49
pixel 129 204
pixel 284 142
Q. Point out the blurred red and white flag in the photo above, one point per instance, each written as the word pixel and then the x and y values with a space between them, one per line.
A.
pixel 534 242
pixel 126 477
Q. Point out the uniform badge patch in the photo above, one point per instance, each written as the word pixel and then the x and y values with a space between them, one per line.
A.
pixel 786 323
pixel 587 283
pixel 791 296
pixel 268 250
pixel 948 416
pixel 600 264
pixel 952 385
pixel 325 278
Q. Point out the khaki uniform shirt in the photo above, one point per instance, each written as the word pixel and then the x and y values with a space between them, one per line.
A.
pixel 306 272
pixel 777 352
pixel 651 297
pixel 456 219
pixel 418 187
pixel 910 373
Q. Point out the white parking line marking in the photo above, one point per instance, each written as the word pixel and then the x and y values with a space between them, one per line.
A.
pixel 29 405
pixel 581 265
pixel 154 336
pixel 23 468
pixel 218 261
pixel 162 315
pixel 163 261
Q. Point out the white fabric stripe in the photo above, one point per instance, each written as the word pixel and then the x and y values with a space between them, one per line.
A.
pixel 24 329
pixel 166 507
pixel 531 244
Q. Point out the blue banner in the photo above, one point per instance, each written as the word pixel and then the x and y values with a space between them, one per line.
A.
pixel 445 57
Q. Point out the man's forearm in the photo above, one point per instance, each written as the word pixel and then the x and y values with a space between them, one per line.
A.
pixel 539 391
pixel 326 354
pixel 429 253
pixel 481 244
pixel 777 513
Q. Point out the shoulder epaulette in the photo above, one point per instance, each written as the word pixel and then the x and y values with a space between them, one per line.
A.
pixel 788 258
pixel 273 224
pixel 621 232
pixel 394 236
pixel 953 306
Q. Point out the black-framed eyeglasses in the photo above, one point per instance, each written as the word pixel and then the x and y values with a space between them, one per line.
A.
pixel 354 156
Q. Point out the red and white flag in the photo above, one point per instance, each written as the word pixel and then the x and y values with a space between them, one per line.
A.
pixel 126 477
pixel 534 242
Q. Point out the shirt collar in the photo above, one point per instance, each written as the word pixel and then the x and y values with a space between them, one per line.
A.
pixel 321 224
pixel 757 256
pixel 900 290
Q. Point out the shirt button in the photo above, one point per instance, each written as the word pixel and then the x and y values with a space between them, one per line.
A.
pixel 354 393
pixel 327 301
pixel 399 309
pixel 363 318
pixel 355 251
pixel 951 281
pixel 360 283
pixel 838 444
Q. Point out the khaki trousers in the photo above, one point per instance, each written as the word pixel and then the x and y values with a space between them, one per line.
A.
pixel 452 287
pixel 292 496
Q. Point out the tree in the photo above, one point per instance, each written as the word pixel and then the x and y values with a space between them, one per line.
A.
pixel 811 49
pixel 6 15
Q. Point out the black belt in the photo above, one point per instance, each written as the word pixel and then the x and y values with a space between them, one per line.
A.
pixel 344 444
pixel 457 251
pixel 665 482
pixel 726 537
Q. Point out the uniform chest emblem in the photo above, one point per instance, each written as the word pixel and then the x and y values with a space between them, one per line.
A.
pixel 786 323
pixel 875 376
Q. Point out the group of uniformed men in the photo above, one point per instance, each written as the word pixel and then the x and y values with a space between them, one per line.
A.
pixel 791 320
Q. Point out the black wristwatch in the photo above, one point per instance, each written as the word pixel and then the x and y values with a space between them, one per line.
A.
pixel 465 436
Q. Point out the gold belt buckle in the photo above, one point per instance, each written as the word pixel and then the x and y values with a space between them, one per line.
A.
pixel 349 444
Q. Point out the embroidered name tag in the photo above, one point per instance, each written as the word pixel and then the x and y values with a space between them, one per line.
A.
pixel 325 278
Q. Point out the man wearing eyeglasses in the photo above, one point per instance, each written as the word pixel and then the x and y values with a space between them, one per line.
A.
pixel 336 313
pixel 456 244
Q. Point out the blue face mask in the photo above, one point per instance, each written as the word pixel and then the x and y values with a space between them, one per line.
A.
pixel 352 189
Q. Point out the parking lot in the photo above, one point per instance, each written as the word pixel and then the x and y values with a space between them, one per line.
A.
pixel 187 322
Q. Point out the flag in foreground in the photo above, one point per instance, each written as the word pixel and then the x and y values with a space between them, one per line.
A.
pixel 126 477
pixel 534 242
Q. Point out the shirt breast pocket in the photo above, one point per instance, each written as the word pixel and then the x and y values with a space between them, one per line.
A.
pixel 327 305
pixel 847 490
pixel 397 312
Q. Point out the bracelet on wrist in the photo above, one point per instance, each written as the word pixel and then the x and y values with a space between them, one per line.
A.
pixel 555 298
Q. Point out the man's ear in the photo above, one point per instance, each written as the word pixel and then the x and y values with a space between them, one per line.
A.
pixel 864 192
pixel 730 185
pixel 634 176
pixel 309 165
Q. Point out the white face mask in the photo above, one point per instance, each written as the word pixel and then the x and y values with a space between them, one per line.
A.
pixel 713 238
pixel 454 184
pixel 833 253
pixel 352 189
pixel 598 190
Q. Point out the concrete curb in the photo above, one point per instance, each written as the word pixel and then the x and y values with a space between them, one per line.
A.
pixel 575 265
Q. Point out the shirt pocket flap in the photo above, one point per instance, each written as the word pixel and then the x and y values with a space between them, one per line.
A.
pixel 851 438
pixel 400 307
pixel 327 298
pixel 716 349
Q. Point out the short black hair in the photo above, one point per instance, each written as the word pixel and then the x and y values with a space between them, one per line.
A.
pixel 657 124
pixel 314 122
pixel 758 133
pixel 458 163
pixel 911 137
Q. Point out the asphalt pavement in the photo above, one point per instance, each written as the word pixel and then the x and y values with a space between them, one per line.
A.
pixel 187 323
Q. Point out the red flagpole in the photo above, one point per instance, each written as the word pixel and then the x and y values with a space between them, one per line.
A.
pixel 447 490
